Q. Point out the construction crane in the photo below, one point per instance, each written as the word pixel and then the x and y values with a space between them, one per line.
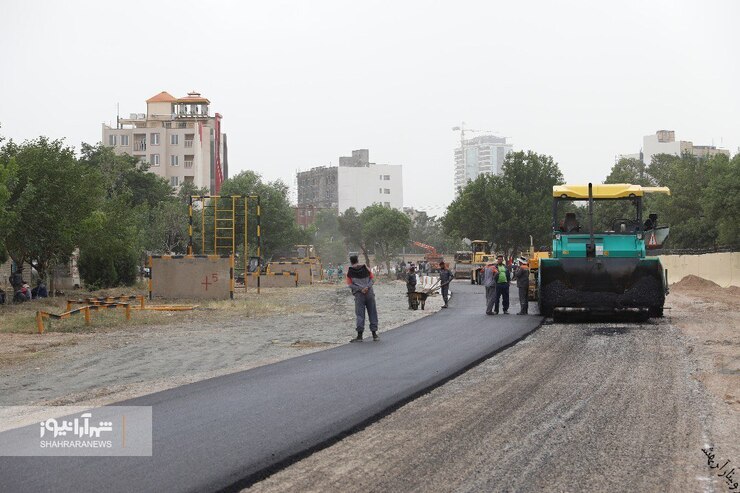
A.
pixel 432 256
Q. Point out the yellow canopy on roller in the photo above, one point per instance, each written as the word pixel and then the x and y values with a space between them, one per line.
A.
pixel 605 191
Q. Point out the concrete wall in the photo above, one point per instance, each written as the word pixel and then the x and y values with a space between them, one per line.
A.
pixel 722 268
pixel 282 280
pixel 304 270
pixel 191 277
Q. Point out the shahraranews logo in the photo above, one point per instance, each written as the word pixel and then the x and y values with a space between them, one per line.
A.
pixel 83 434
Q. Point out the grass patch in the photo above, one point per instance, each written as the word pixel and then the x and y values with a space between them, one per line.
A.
pixel 21 318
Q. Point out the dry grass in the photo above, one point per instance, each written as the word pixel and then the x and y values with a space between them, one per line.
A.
pixel 20 318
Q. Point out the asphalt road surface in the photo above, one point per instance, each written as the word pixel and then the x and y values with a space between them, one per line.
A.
pixel 573 407
pixel 224 432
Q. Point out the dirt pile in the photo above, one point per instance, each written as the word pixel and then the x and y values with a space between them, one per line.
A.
pixel 704 288
pixel 695 283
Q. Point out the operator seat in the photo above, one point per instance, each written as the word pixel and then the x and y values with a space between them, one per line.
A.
pixel 570 225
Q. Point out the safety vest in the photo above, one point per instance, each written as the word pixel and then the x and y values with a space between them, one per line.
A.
pixel 501 273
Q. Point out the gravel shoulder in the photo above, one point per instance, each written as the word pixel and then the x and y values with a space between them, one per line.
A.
pixel 574 407
pixel 106 366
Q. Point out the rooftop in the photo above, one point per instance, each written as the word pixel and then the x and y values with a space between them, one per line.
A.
pixel 162 97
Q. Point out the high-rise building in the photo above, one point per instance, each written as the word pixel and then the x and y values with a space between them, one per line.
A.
pixel 177 137
pixel 477 156
pixel 356 182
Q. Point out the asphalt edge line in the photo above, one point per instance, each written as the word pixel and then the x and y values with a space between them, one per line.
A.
pixel 268 471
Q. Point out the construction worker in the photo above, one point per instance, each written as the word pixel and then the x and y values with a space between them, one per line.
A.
pixel 489 281
pixel 411 284
pixel 445 278
pixel 522 283
pixel 503 278
pixel 360 282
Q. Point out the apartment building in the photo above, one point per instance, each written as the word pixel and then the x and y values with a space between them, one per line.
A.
pixel 477 156
pixel 179 139
pixel 356 182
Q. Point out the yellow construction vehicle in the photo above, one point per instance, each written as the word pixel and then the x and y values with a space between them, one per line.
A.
pixel 481 256
pixel 463 265
pixel 534 266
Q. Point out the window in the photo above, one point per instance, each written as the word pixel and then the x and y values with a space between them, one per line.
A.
pixel 174 160
pixel 154 159
pixel 174 181
pixel 380 177
pixel 154 139
pixel 387 204
pixel 387 191
pixel 380 190
pixel 174 139
pixel 111 140
pixel 386 177
pixel 124 140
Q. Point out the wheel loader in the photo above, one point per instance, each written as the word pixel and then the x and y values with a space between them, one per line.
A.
pixel 601 272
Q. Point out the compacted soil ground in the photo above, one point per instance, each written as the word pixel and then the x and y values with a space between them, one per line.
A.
pixel 573 407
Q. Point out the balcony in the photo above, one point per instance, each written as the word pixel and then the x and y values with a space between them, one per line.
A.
pixel 140 145
pixel 188 163
pixel 188 143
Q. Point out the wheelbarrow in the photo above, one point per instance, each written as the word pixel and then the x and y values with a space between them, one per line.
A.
pixel 419 298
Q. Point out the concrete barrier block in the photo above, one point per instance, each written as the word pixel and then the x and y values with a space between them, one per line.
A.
pixel 191 277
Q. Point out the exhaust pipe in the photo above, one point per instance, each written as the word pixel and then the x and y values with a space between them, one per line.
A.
pixel 591 247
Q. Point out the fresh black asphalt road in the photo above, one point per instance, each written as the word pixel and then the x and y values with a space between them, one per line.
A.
pixel 222 432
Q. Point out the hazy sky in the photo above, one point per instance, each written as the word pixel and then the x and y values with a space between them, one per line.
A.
pixel 301 83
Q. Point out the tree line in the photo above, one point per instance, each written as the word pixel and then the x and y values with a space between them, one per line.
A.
pixel 111 208
pixel 506 209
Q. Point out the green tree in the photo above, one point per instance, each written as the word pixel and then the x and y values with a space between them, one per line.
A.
pixel 124 175
pixel 168 229
pixel 721 198
pixel 350 225
pixel 428 229
pixel 507 209
pixel 49 198
pixel 8 174
pixel 109 248
pixel 386 229
pixel 687 176
pixel 279 230
pixel 328 239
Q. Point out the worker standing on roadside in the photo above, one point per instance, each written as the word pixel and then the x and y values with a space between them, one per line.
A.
pixel 445 278
pixel 360 282
pixel 522 283
pixel 503 278
pixel 411 284
pixel 489 281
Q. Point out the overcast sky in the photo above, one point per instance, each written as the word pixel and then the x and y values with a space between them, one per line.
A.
pixel 301 83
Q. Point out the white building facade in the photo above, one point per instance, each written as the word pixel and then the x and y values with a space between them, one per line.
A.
pixel 481 155
pixel 177 137
pixel 360 187
pixel 356 182
pixel 664 142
